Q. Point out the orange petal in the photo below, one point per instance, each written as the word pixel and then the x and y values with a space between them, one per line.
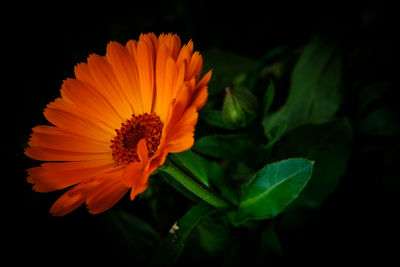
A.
pixel 131 46
pixel 104 76
pixel 66 204
pixel 72 199
pixel 99 74
pixel 69 119
pixel 136 174
pixel 136 177
pixel 195 66
pixel 145 63
pixel 107 193
pixel 181 137
pixel 200 94
pixel 46 154
pixel 204 81
pixel 126 72
pixel 54 176
pixel 154 41
pixel 166 85
pixel 183 98
pixel 199 98
pixel 90 102
pixel 184 55
pixel 72 143
pixel 173 42
pixel 161 75
pixel 45 129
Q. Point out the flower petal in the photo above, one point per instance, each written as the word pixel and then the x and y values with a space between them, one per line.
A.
pixel 58 175
pixel 46 154
pixel 199 97
pixel 195 66
pixel 72 199
pixel 136 174
pixel 145 63
pixel 185 54
pixel 172 41
pixel 90 102
pixel 99 74
pixel 73 143
pixel 107 193
pixel 166 81
pixel 69 119
pixel 126 73
pixel 181 137
pixel 161 75
pixel 204 81
pixel 131 45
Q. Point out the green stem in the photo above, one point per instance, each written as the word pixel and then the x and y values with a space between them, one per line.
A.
pixel 194 187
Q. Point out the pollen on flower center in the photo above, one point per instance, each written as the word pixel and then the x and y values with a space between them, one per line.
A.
pixel 144 126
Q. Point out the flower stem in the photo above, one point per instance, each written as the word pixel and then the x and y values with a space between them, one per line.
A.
pixel 193 186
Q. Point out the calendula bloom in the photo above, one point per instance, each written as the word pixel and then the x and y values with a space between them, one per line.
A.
pixel 117 120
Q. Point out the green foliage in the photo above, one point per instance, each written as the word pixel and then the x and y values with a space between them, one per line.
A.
pixel 314 95
pixel 329 145
pixel 273 188
pixel 193 163
pixel 229 147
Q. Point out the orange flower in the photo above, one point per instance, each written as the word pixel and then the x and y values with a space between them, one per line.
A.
pixel 116 122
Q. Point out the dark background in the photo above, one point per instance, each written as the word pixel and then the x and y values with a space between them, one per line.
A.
pixel 357 221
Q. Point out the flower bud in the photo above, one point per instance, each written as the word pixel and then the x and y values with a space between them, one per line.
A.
pixel 240 107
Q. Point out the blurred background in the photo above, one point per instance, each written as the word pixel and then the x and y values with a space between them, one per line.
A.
pixel 356 221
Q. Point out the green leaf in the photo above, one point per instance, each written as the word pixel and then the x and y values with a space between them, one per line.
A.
pixel 191 163
pixel 230 147
pixel 273 188
pixel 330 146
pixel 314 95
pixel 173 244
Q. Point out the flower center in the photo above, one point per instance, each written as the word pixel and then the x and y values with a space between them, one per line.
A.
pixel 124 144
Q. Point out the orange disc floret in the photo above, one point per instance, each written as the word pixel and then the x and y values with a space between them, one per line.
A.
pixel 144 126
